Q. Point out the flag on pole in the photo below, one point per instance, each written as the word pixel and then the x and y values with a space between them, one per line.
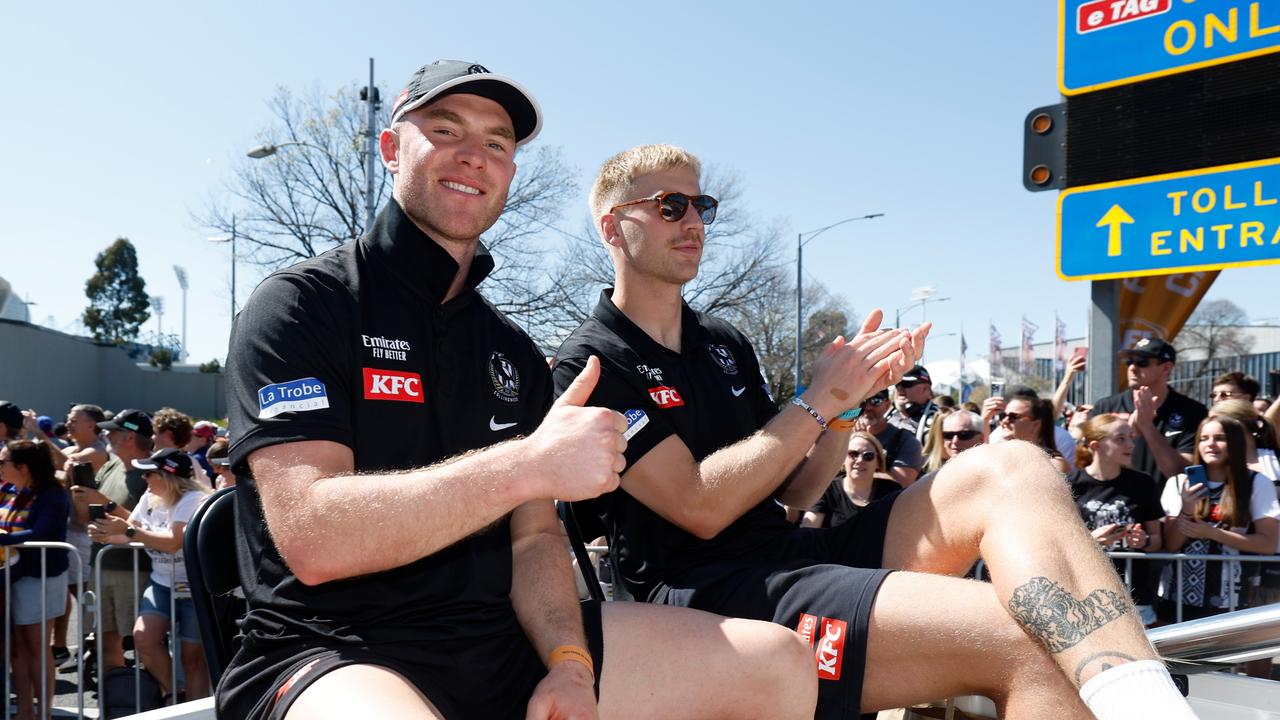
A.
pixel 964 347
pixel 993 356
pixel 1027 358
pixel 1059 343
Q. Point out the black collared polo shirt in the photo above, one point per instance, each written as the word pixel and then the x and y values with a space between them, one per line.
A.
pixel 1177 419
pixel 711 394
pixel 355 347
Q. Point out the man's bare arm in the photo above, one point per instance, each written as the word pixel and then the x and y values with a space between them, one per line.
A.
pixel 808 481
pixel 704 498
pixel 543 592
pixel 317 508
pixel 904 476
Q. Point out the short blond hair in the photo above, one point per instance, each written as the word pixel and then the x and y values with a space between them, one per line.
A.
pixel 619 173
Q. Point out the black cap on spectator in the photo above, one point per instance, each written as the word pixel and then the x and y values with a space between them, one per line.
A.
pixel 10 414
pixel 1020 391
pixel 917 374
pixel 172 460
pixel 132 420
pixel 1153 347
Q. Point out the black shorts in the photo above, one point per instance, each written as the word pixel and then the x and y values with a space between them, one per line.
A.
pixel 819 582
pixel 465 680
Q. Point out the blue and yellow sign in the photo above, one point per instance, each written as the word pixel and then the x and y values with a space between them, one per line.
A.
pixel 1104 43
pixel 1207 219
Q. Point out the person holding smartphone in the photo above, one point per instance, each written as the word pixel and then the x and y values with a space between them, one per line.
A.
pixel 1218 506
pixel 1118 504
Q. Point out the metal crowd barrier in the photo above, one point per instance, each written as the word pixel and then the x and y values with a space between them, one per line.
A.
pixel 73 561
pixel 1179 559
pixel 86 601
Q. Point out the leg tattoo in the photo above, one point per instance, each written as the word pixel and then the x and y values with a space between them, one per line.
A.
pixel 1104 661
pixel 1051 615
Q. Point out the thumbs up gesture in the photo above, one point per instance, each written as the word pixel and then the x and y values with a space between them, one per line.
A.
pixel 577 451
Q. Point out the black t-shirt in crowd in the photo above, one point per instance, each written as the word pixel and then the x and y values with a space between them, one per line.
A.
pixel 710 394
pixel 836 506
pixel 1130 497
pixel 1176 419
pixel 355 347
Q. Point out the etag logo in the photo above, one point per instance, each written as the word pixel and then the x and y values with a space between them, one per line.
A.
pixel 393 385
pixel 666 397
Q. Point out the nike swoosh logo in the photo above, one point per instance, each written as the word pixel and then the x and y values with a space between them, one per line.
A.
pixel 738 391
pixel 495 426
pixel 1171 433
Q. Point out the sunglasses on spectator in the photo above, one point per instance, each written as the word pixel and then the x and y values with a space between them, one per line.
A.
pixel 910 384
pixel 1225 395
pixel 1139 362
pixel 962 434
pixel 1011 418
pixel 673 205
pixel 866 455
pixel 876 401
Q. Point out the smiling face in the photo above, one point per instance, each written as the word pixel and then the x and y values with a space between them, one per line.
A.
pixel 856 464
pixel 453 160
pixel 1018 423
pixel 1117 445
pixel 643 244
pixel 1212 444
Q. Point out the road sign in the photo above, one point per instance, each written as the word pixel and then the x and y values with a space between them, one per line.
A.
pixel 1104 43
pixel 1206 219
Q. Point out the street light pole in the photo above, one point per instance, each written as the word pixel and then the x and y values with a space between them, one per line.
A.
pixel 372 101
pixel 181 272
pixel 231 240
pixel 800 241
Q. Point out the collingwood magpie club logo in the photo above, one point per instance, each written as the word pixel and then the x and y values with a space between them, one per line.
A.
pixel 505 379
pixel 724 359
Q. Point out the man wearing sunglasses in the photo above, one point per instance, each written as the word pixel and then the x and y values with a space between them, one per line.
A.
pixel 710 460
pixel 422 573
pixel 1165 419
pixel 914 408
pixel 903 453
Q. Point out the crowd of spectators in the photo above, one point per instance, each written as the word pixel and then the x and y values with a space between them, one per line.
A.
pixel 97 480
pixel 1151 469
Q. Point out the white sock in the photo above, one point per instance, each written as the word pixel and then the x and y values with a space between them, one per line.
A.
pixel 1140 689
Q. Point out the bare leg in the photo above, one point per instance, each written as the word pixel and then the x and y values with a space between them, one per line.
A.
pixel 60 623
pixel 112 650
pixel 1007 504
pixel 935 637
pixel 665 662
pixel 382 693
pixel 195 669
pixel 149 644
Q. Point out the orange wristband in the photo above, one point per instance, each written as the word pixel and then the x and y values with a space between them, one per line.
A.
pixel 571 652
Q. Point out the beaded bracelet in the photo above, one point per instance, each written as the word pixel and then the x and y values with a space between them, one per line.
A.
pixel 822 422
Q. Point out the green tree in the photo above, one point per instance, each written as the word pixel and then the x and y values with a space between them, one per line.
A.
pixel 118 303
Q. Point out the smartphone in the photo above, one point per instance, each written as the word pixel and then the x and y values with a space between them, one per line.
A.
pixel 82 476
pixel 97 511
pixel 997 388
pixel 1080 353
pixel 1196 475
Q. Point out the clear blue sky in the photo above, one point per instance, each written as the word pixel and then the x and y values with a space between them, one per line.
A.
pixel 123 119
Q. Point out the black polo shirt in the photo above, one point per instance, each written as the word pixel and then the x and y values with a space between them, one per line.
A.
pixel 355 347
pixel 711 394
pixel 1177 419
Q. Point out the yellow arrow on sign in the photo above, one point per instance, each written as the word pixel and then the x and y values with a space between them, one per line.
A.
pixel 1114 218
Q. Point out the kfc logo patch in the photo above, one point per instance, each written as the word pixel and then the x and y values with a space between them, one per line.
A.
pixel 830 652
pixel 393 385
pixel 666 397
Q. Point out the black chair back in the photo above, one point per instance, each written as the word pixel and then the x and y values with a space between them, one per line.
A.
pixel 209 550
